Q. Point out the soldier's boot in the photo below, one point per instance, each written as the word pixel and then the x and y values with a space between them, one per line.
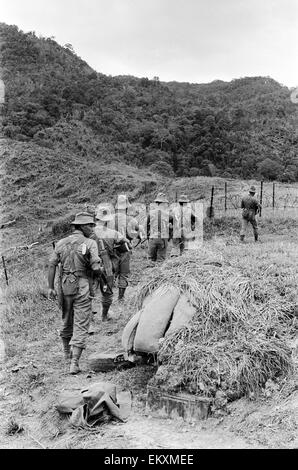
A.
pixel 66 349
pixel 256 237
pixel 121 294
pixel 104 314
pixel 91 329
pixel 74 365
pixel 242 238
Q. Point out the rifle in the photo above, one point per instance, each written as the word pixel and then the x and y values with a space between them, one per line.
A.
pixel 140 242
pixel 59 287
pixel 104 284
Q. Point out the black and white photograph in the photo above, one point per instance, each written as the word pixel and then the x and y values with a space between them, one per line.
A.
pixel 149 228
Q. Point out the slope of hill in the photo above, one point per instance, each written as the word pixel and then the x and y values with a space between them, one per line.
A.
pixel 246 128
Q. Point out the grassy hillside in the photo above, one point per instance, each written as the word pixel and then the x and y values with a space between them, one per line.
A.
pixel 246 128
pixel 41 184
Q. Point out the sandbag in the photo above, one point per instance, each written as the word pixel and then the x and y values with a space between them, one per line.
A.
pixel 154 319
pixel 129 332
pixel 182 314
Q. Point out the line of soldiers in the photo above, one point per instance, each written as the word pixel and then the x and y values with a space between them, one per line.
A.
pixel 95 255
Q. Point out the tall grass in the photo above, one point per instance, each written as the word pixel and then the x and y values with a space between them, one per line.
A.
pixel 28 315
pixel 246 304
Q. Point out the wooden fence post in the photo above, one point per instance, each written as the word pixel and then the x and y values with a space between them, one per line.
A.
pixel 210 209
pixel 5 272
pixel 261 198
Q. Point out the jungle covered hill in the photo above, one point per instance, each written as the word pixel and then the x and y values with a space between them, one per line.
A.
pixel 55 101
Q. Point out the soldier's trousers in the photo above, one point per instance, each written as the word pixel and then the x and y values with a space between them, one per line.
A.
pixel 76 311
pixel 122 269
pixel 244 225
pixel 157 249
pixel 178 246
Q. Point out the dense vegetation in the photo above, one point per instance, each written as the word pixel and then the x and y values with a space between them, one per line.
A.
pixel 245 128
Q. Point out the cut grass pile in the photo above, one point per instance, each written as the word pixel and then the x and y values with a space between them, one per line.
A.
pixel 246 307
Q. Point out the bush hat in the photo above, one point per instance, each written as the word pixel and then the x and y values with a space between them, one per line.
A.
pixel 83 218
pixel 104 214
pixel 122 202
pixel 161 198
pixel 183 198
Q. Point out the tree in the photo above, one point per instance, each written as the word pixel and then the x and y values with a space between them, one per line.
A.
pixel 270 169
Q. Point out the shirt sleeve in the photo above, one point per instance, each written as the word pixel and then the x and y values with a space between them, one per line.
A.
pixel 95 260
pixel 54 258
pixel 119 237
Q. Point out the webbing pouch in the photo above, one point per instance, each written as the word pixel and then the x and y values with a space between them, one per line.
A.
pixel 245 214
pixel 70 284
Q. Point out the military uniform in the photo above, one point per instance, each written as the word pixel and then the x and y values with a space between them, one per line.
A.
pixel 77 254
pixel 159 223
pixel 108 240
pixel 128 226
pixel 183 221
pixel 250 208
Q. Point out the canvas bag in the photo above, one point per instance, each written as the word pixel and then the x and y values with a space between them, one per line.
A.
pixel 154 319
pixel 90 406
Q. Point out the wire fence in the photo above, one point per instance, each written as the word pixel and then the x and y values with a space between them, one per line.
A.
pixel 276 199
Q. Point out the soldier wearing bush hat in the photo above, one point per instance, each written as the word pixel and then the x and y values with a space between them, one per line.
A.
pixel 129 227
pixel 109 242
pixel 76 255
pixel 250 208
pixel 159 223
pixel 184 219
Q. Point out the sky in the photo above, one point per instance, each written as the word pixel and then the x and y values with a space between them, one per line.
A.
pixel 194 41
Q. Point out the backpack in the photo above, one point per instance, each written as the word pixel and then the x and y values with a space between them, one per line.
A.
pixel 69 278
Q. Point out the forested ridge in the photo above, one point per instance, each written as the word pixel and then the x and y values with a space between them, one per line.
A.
pixel 245 128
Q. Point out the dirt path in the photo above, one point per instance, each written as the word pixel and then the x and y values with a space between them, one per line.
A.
pixel 30 385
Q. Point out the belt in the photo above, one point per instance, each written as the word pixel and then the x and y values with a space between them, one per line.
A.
pixel 77 274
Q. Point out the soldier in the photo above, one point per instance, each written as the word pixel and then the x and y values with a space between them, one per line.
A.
pixel 184 219
pixel 130 229
pixel 159 223
pixel 250 208
pixel 76 254
pixel 108 241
